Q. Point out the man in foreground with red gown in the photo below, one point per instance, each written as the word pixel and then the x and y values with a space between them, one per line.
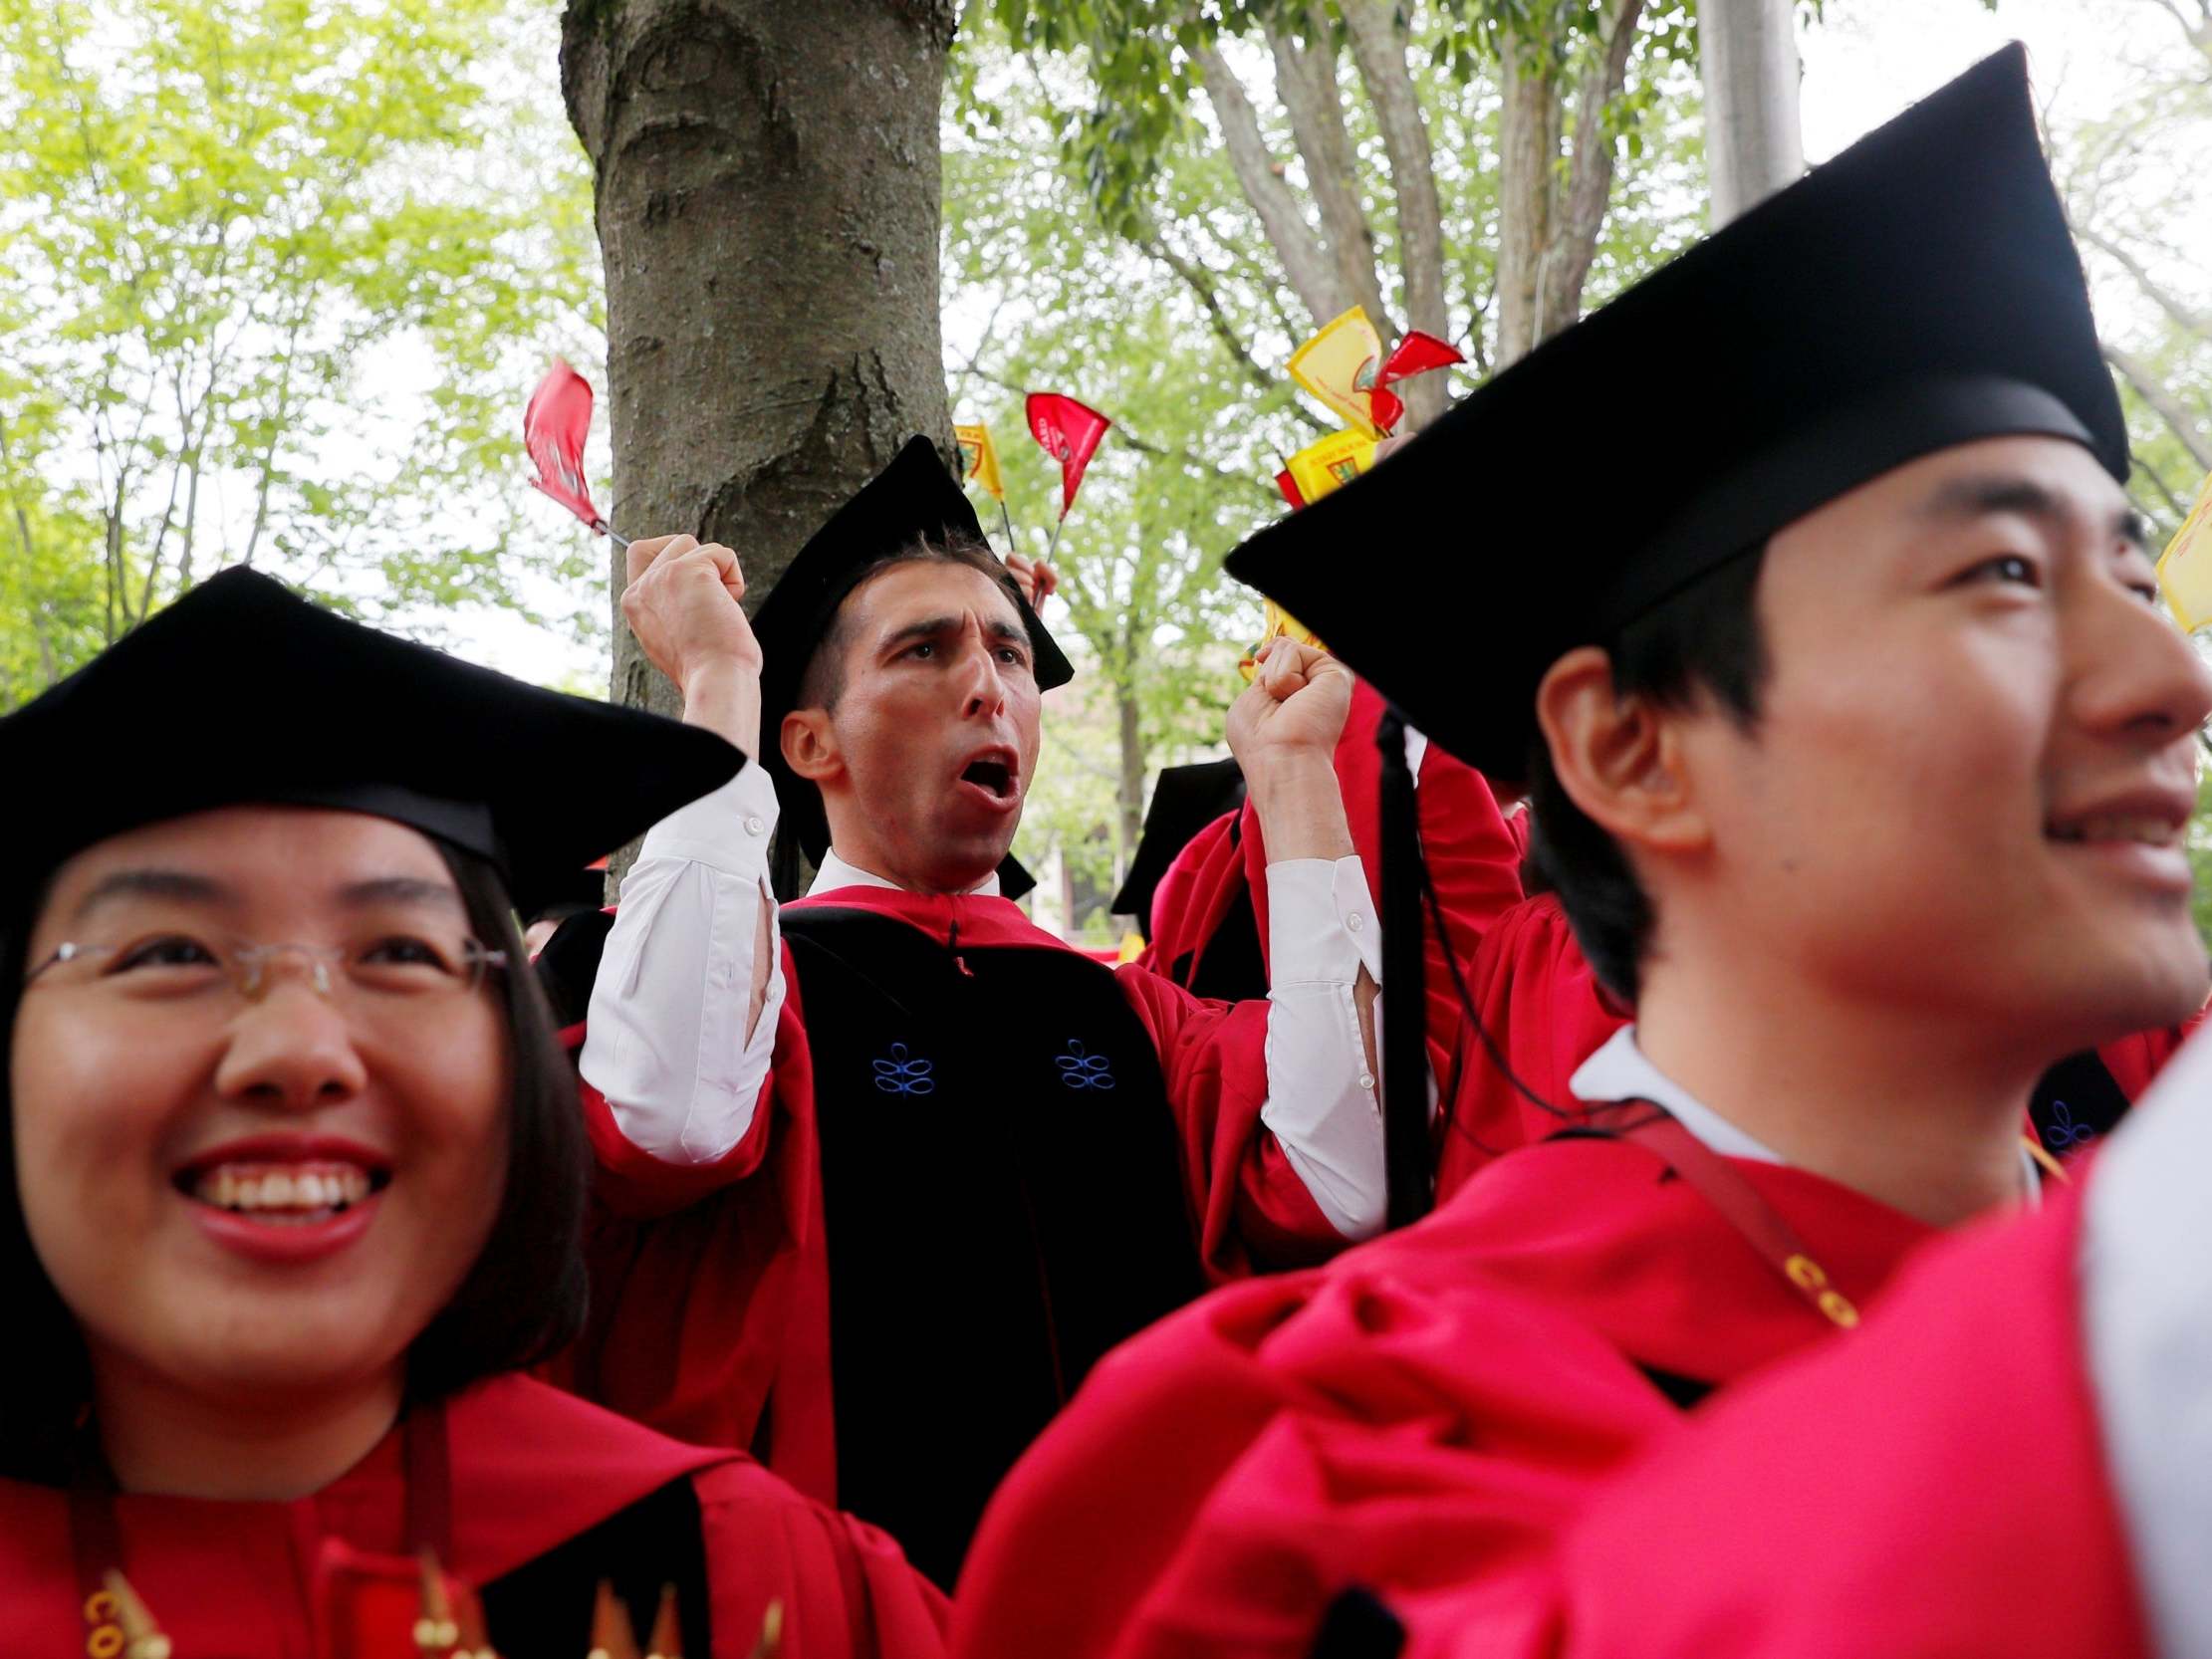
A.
pixel 1860 756
pixel 886 1173
pixel 2011 1459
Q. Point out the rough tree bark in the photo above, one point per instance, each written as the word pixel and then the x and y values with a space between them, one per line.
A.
pixel 1754 141
pixel 1306 262
pixel 1377 38
pixel 1306 82
pixel 1548 224
pixel 767 189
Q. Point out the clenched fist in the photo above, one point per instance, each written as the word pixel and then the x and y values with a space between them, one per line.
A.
pixel 681 601
pixel 1295 707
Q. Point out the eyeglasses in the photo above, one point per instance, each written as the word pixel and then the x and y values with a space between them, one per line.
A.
pixel 389 970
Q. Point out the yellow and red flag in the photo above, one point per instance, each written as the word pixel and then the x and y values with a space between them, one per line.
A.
pixel 1332 364
pixel 1330 464
pixel 2185 567
pixel 1344 368
pixel 982 459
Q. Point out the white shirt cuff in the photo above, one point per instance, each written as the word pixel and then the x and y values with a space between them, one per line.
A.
pixel 1321 925
pixel 727 828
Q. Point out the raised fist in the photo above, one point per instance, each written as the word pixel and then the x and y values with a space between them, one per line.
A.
pixel 681 601
pixel 1294 708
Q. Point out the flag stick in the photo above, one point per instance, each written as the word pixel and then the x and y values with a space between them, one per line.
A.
pixel 621 542
pixel 1006 519
pixel 1055 541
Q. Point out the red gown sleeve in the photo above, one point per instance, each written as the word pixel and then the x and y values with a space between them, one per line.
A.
pixel 632 1182
pixel 1192 897
pixel 710 1281
pixel 1934 1487
pixel 845 1590
pixel 1221 1478
pixel 1254 1213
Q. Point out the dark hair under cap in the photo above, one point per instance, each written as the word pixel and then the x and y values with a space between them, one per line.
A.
pixel 1917 292
pixel 912 501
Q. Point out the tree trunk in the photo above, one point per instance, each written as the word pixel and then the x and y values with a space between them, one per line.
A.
pixel 1379 49
pixel 1528 150
pixel 1306 82
pixel 1306 262
pixel 1754 143
pixel 767 192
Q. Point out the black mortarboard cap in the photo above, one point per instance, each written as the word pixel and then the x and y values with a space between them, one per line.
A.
pixel 1185 799
pixel 913 498
pixel 1918 291
pixel 242 692
pixel 1015 881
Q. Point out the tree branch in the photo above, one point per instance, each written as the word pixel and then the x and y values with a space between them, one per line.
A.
pixel 1200 282
pixel 1305 261
pixel 1575 227
pixel 1527 146
pixel 2195 322
pixel 2185 426
pixel 1378 50
pixel 1306 82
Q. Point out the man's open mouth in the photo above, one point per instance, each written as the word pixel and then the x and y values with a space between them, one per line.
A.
pixel 992 774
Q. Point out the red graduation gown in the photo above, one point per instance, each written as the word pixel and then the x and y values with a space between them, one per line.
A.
pixel 1540 1002
pixel 1936 1487
pixel 531 1469
pixel 710 1282
pixel 1436 1403
pixel 1473 853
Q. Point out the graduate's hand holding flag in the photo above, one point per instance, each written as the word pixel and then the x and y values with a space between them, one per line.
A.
pixel 1037 580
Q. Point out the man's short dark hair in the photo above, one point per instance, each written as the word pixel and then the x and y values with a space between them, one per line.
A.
pixel 1704 641
pixel 522 1301
pixel 823 683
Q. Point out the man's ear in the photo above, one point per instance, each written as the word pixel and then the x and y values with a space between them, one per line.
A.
pixel 1620 760
pixel 810 744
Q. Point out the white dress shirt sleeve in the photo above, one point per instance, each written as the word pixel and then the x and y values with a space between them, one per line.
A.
pixel 667 1042
pixel 2146 1290
pixel 1320 1100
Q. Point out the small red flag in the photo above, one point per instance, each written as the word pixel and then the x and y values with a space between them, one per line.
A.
pixel 554 427
pixel 1069 432
pixel 1289 486
pixel 1416 353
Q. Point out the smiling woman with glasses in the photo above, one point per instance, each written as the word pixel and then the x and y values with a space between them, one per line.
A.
pixel 294 1175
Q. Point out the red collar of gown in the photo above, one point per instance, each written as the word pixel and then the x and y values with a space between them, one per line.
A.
pixel 984 921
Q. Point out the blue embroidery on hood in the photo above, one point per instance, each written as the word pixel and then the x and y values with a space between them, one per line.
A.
pixel 903 1075
pixel 1079 1069
pixel 2064 1133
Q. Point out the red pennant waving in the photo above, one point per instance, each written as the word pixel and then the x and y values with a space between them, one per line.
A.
pixel 1416 353
pixel 554 427
pixel 1069 432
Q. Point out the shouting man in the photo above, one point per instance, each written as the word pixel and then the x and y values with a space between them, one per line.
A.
pixel 887 1171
